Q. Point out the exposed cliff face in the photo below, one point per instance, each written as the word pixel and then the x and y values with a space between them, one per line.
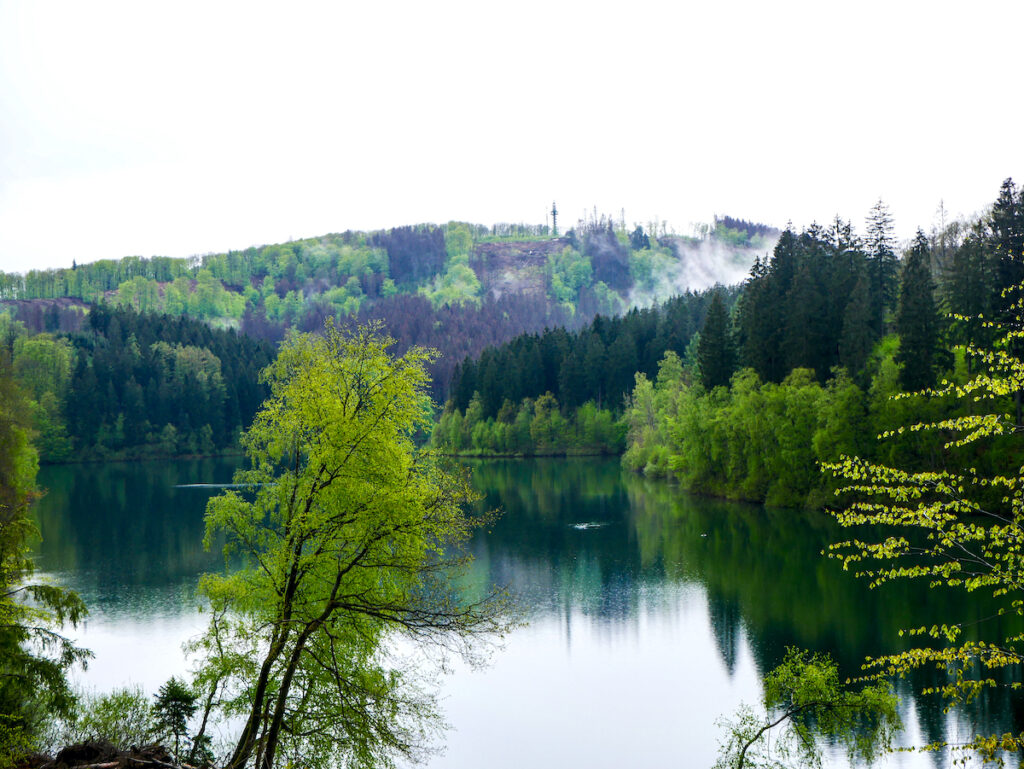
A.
pixel 516 267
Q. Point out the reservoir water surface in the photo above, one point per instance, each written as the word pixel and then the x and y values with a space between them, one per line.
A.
pixel 651 613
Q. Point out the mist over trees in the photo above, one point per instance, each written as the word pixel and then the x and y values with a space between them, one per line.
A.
pixel 815 374
pixel 739 391
pixel 458 288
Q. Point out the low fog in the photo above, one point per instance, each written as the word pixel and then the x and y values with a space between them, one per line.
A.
pixel 699 265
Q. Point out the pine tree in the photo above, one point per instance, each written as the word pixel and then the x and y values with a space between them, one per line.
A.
pixel 968 289
pixel 716 355
pixel 1007 241
pixel 857 339
pixel 882 264
pixel 917 319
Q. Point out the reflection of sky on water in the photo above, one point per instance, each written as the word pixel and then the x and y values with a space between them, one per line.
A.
pixel 570 690
pixel 645 627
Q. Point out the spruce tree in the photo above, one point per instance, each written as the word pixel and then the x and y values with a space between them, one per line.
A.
pixel 968 289
pixel 716 356
pixel 882 264
pixel 1007 240
pixel 917 319
pixel 857 339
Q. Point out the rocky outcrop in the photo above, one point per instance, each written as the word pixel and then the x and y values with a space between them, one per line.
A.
pixel 517 267
pixel 99 754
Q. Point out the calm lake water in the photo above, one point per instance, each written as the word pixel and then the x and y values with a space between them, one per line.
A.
pixel 651 613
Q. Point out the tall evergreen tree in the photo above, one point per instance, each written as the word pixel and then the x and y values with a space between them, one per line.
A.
pixel 883 267
pixel 857 339
pixel 716 355
pixel 1008 244
pixel 917 319
pixel 967 289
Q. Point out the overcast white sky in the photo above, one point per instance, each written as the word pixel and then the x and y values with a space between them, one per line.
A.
pixel 182 128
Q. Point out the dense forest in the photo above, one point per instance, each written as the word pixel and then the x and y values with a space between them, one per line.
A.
pixel 157 356
pixel 740 391
pixel 561 392
pixel 824 346
pixel 128 384
pixel 806 360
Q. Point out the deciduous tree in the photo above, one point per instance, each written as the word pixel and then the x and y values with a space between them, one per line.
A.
pixel 349 536
pixel 960 529
pixel 34 657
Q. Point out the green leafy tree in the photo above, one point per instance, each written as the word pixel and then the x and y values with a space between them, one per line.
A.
pixel 961 529
pixel 122 717
pixel 350 537
pixel 805 701
pixel 34 657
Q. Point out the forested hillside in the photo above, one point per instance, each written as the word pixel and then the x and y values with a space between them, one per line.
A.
pixel 742 392
pixel 131 384
pixel 458 288
pixel 562 391
pixel 828 336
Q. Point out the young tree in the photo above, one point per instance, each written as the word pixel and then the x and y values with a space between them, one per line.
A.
pixel 350 536
pixel 175 705
pixel 803 701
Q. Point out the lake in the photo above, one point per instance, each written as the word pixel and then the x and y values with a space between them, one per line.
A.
pixel 651 612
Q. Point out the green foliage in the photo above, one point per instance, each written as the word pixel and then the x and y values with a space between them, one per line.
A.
pixel 754 441
pixel 457 285
pixel 648 266
pixel 917 318
pixel 567 273
pixel 34 656
pixel 175 704
pixel 458 239
pixel 350 538
pixel 962 529
pixel 716 355
pixel 805 703
pixel 536 427
pixel 123 717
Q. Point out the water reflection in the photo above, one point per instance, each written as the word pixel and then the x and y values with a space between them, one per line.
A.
pixel 764 581
pixel 651 612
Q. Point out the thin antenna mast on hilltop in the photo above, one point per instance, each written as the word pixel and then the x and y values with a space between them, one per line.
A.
pixel 554 219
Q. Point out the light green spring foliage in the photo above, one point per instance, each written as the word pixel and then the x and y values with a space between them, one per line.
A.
pixel 349 539
pixel 805 703
pixel 648 268
pixel 567 272
pixel 122 717
pixel 535 427
pixel 959 529
pixel 457 285
pixel 34 656
pixel 754 441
